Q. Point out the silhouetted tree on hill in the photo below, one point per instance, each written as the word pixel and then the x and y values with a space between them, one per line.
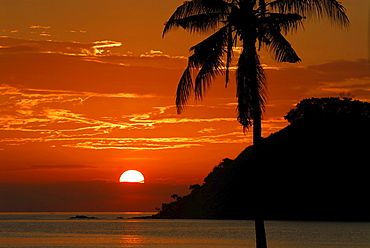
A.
pixel 175 196
pixel 194 187
pixel 330 107
pixel 316 169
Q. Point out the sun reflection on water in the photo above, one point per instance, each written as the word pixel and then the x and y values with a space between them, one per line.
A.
pixel 131 240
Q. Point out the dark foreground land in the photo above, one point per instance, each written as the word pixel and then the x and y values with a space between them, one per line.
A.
pixel 317 168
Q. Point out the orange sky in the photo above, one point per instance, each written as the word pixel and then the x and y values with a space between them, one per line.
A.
pixel 87 92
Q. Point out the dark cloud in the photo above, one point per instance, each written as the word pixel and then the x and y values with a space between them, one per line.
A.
pixel 96 195
pixel 341 70
pixel 289 85
pixel 300 82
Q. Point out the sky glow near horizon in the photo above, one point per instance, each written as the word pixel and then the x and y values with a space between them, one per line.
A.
pixel 86 97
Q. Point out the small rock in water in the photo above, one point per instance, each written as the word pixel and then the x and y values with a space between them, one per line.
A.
pixel 82 217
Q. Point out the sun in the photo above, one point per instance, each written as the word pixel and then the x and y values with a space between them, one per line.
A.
pixel 131 176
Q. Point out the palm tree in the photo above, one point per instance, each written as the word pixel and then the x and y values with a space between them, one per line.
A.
pixel 251 25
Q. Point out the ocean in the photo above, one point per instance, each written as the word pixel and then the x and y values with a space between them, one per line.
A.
pixel 119 230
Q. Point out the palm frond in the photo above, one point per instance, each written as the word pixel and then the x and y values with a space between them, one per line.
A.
pixel 196 23
pixel 251 87
pixel 207 57
pixel 331 9
pixel 285 22
pixel 184 89
pixel 281 48
pixel 231 41
pixel 274 24
pixel 207 60
pixel 206 74
pixel 195 8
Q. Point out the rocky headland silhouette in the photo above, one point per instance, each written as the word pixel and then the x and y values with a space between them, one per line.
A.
pixel 316 168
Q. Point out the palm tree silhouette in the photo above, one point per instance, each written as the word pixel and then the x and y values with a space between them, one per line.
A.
pixel 251 25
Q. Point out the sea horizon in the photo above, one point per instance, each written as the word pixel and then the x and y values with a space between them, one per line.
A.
pixel 118 229
pixel 149 213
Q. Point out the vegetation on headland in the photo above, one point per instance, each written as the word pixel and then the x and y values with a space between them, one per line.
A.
pixel 315 169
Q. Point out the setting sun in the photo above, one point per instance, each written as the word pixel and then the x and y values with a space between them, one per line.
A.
pixel 131 176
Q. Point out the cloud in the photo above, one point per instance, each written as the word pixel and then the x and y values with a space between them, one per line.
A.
pixel 98 51
pixel 40 111
pixel 129 143
pixel 55 116
pixel 345 76
pixel 13 45
pixel 100 46
pixel 70 95
pixel 160 54
pixel 39 27
pixel 341 70
pixel 29 98
pixel 207 130
pixel 167 179
pixel 18 46
pixel 152 53
pixel 64 128
pixel 51 166
pixel 51 116
pixel 133 144
pixel 292 84
pixel 76 31
pixel 46 31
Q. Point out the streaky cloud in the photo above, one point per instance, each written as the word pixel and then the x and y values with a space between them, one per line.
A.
pixel 50 166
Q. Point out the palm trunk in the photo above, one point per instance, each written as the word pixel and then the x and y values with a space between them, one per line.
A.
pixel 251 84
pixel 259 224
pixel 259 220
